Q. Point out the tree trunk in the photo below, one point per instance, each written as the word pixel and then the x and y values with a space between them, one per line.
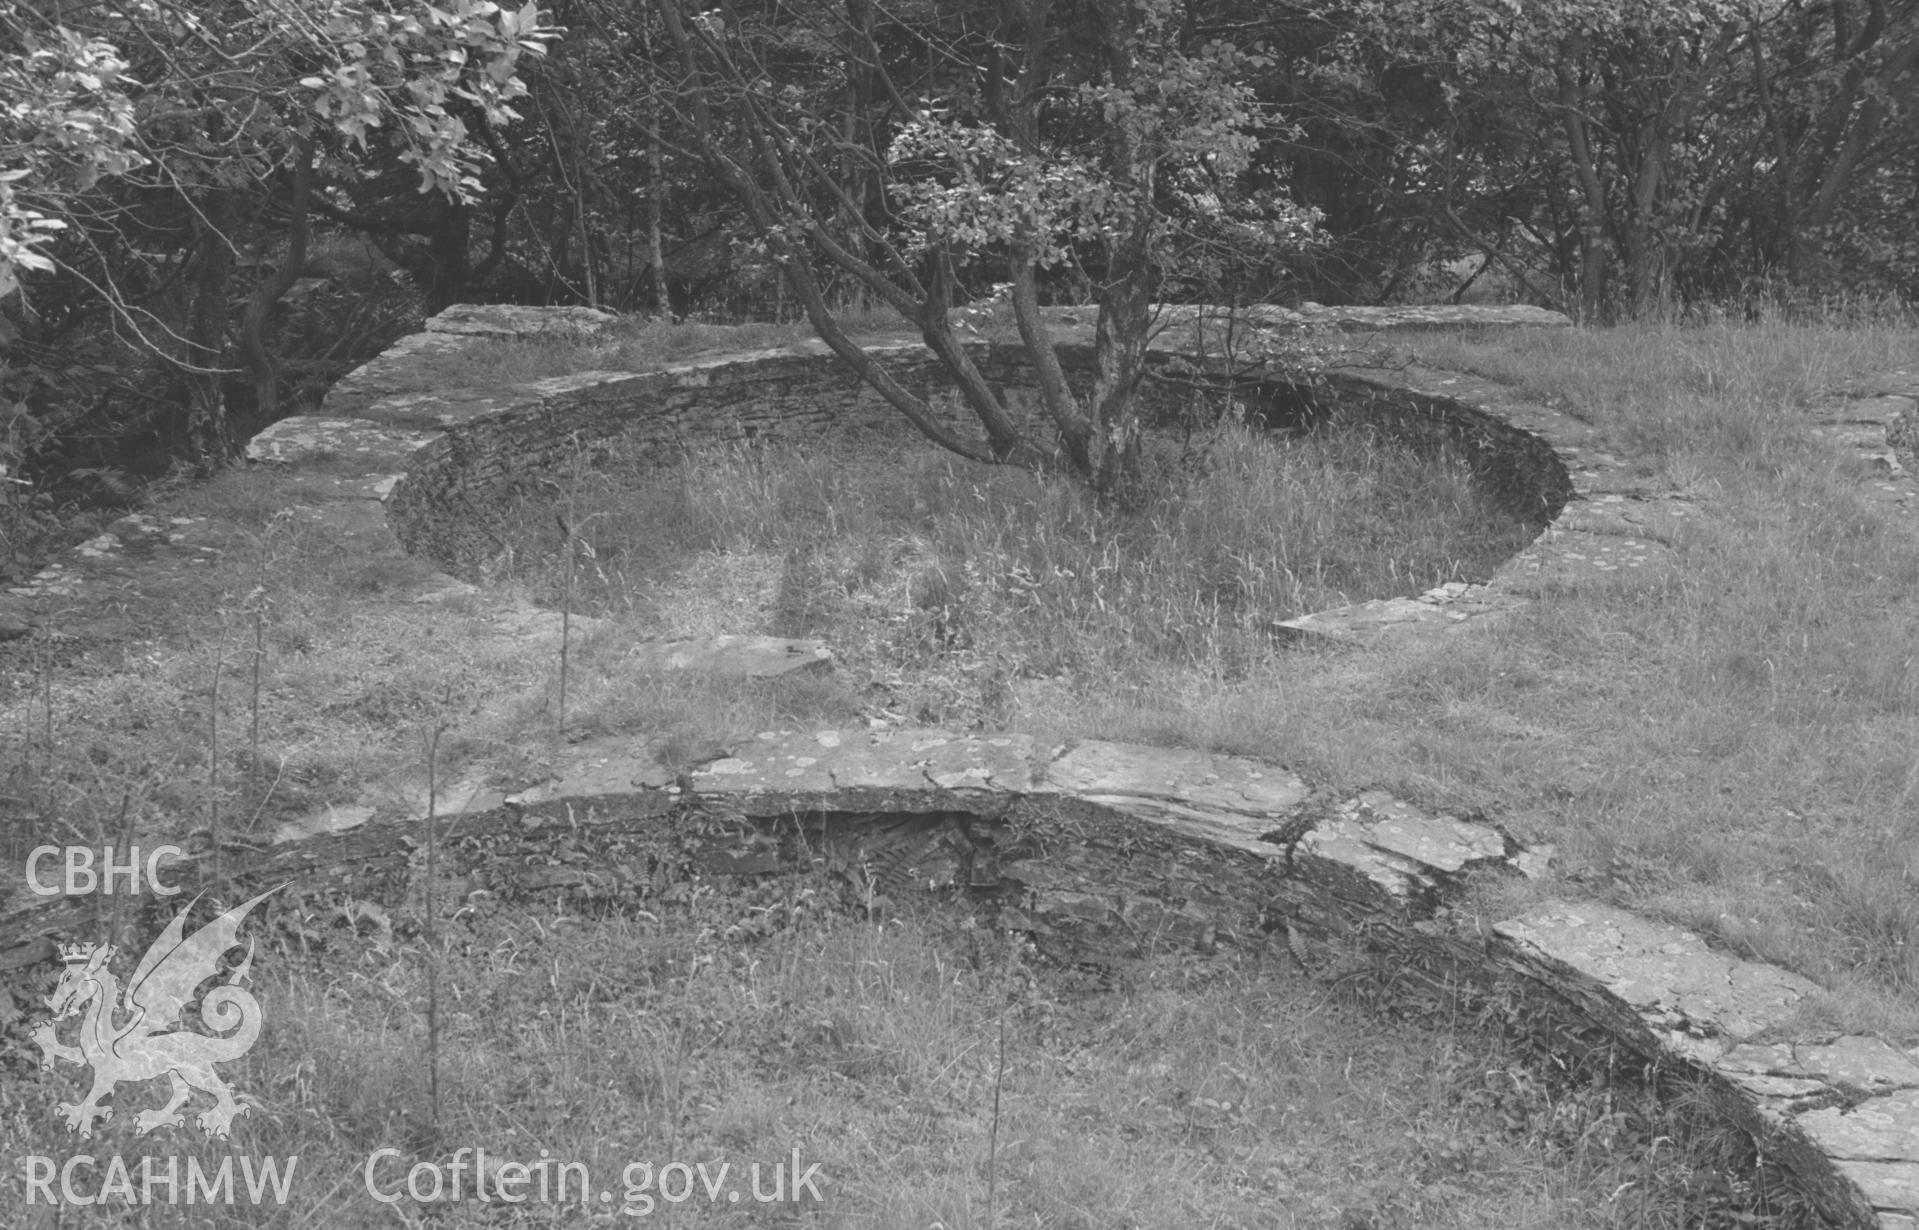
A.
pixel 209 435
pixel 1592 210
pixel 260 366
pixel 1125 297
pixel 655 188
pixel 1056 396
pixel 447 251
pixel 1839 142
pixel 1119 352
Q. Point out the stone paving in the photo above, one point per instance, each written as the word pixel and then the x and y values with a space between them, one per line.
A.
pixel 1842 1111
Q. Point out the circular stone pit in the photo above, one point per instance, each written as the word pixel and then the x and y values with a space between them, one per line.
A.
pixel 1092 845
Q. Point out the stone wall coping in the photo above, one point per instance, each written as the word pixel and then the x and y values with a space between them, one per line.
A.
pixel 1843 1112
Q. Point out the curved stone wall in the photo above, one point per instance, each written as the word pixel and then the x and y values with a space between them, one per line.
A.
pixel 491 442
pixel 1095 845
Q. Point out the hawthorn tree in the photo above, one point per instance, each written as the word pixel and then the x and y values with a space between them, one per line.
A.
pixel 898 146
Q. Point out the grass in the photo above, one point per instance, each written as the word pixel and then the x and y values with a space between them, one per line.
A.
pixel 1732 751
pixel 947 584
pixel 740 1026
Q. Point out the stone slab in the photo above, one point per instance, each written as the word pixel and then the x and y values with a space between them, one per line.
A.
pixel 1668 976
pixel 600 769
pixel 1231 799
pixel 1875 410
pixel 510 320
pixel 440 411
pixel 743 657
pixel 1395 620
pixel 1622 516
pixel 1577 560
pixel 1891 1187
pixel 391 371
pixel 1869 1064
pixel 326 822
pixel 1881 1129
pixel 1399 847
pixel 1394 826
pixel 1399 318
pixel 896 759
pixel 311 437
pixel 1781 1091
pixel 136 543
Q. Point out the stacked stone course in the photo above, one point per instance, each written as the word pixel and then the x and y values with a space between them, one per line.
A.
pixel 1192 848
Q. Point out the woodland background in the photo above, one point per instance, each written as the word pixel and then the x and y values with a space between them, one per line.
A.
pixel 210 210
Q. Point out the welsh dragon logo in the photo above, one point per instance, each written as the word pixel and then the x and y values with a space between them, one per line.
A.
pixel 152 1041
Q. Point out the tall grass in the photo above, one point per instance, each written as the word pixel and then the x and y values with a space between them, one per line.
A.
pixel 909 562
pixel 1700 397
pixel 739 1026
pixel 1733 748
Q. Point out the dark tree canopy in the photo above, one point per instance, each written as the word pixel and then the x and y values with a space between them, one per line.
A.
pixel 171 171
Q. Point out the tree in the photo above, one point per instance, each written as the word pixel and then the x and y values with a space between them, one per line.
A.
pixel 153 149
pixel 1615 157
pixel 1835 88
pixel 902 147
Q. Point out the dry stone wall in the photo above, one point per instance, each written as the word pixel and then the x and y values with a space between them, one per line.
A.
pixel 1091 846
pixel 489 442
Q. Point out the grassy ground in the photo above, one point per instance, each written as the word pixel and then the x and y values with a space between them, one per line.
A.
pixel 946 586
pixel 936 1077
pixel 1733 751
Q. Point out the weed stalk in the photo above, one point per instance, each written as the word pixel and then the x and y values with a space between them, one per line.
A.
pixel 257 602
pixel 566 621
pixel 433 931
pixel 571 526
pixel 124 845
pixel 44 783
pixel 992 1135
pixel 213 749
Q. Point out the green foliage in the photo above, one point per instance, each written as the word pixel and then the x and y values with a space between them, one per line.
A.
pixel 1613 160
pixel 161 162
pixel 68 122
pixel 1618 158
pixel 227 80
pixel 405 70
pixel 1188 116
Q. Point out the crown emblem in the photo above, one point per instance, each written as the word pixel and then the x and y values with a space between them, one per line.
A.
pixel 155 1041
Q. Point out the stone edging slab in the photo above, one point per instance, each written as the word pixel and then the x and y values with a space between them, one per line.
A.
pixel 1099 846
